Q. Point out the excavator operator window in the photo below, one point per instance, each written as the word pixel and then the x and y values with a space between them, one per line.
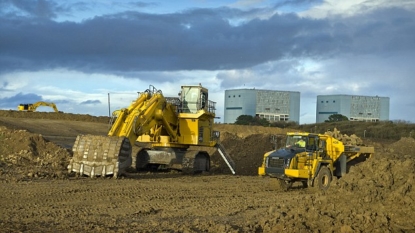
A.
pixel 25 106
pixel 190 99
pixel 203 99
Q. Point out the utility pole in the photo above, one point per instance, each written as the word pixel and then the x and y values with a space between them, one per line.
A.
pixel 109 105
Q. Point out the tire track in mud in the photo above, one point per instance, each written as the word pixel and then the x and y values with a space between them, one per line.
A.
pixel 376 196
pixel 108 204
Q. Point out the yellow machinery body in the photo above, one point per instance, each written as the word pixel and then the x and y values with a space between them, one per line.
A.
pixel 314 164
pixel 164 129
pixel 33 107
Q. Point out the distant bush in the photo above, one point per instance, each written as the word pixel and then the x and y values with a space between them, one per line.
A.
pixel 284 124
pixel 336 118
pixel 251 120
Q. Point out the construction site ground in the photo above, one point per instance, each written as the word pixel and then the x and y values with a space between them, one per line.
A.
pixel 38 194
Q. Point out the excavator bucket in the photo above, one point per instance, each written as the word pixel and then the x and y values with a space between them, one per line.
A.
pixel 95 155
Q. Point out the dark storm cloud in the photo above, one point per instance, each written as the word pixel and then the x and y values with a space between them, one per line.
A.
pixel 25 98
pixel 4 87
pixel 93 102
pixel 198 39
pixel 13 101
pixel 139 4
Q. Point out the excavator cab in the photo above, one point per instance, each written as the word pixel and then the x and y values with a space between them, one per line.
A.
pixel 24 107
pixel 193 98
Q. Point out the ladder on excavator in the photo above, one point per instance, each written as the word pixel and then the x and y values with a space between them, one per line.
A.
pixel 226 157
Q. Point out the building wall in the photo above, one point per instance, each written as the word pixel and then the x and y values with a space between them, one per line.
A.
pixel 356 108
pixel 239 102
pixel 295 106
pixel 269 104
pixel 384 108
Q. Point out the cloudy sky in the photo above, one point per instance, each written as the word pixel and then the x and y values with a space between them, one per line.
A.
pixel 82 53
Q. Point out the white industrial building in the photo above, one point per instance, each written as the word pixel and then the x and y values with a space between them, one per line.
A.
pixel 269 104
pixel 356 108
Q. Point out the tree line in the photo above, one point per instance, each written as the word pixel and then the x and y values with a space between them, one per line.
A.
pixel 393 130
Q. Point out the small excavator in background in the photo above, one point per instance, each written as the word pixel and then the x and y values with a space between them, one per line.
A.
pixel 169 133
pixel 33 107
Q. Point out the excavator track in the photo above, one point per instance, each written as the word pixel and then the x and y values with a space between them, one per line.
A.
pixel 100 156
pixel 195 162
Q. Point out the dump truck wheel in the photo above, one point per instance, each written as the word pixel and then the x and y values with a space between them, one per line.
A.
pixel 323 179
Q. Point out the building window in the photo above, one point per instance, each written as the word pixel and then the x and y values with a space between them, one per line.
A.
pixel 239 95
pixel 229 96
pixel 334 101
pixel 327 101
pixel 233 96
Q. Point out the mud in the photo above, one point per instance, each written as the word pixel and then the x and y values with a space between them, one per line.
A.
pixel 38 195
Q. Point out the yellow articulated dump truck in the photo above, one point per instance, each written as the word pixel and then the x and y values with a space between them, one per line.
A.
pixel 313 159
pixel 168 132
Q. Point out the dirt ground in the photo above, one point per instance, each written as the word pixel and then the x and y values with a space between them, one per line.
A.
pixel 38 195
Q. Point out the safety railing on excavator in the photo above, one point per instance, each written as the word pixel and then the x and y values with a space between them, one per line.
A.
pixel 226 157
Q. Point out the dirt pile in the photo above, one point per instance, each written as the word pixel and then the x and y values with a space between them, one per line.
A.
pixel 54 116
pixel 243 131
pixel 375 196
pixel 247 152
pixel 25 155
pixel 384 185
pixel 246 144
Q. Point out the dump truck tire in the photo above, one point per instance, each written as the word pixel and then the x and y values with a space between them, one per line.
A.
pixel 323 179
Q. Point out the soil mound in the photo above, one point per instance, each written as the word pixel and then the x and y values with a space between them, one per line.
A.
pixel 383 185
pixel 54 116
pixel 25 155
pixel 376 195
pixel 247 152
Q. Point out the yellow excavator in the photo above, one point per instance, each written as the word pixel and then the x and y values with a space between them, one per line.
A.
pixel 33 107
pixel 170 133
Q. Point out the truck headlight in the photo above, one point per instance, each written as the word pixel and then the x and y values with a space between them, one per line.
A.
pixel 287 162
